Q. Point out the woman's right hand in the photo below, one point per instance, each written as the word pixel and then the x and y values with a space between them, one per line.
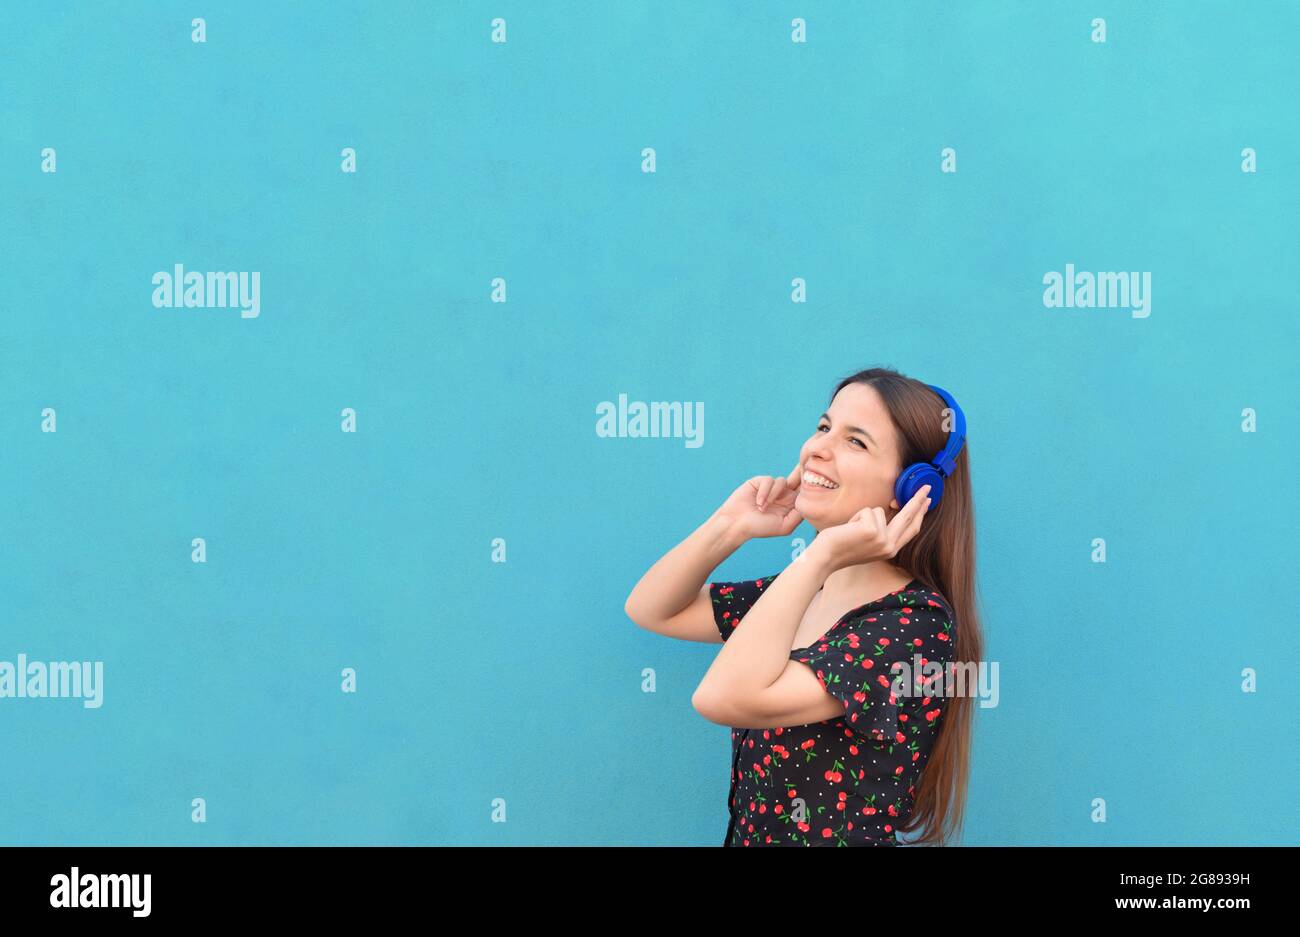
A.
pixel 763 506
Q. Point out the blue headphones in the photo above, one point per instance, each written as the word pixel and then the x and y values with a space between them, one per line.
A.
pixel 932 473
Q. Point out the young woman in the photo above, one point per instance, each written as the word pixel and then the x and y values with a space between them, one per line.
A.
pixel 845 727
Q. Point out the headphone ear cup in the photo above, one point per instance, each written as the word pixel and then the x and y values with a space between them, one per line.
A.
pixel 913 479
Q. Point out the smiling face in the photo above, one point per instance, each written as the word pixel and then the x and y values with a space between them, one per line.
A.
pixel 854 447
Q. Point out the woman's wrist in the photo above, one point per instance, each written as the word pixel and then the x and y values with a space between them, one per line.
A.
pixel 723 535
pixel 817 555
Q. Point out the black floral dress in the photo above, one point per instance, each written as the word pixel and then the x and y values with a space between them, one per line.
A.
pixel 851 780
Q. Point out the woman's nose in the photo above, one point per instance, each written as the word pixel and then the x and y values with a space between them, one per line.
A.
pixel 815 447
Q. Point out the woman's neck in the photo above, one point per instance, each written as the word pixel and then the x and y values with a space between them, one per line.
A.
pixel 853 586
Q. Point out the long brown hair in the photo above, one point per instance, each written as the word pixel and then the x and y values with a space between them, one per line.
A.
pixel 942 557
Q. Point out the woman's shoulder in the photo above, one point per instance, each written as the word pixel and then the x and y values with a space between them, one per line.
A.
pixel 926 598
pixel 733 597
pixel 916 610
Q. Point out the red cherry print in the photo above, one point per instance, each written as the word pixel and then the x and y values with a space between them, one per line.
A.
pixel 866 764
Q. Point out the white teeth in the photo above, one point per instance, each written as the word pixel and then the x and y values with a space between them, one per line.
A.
pixel 812 478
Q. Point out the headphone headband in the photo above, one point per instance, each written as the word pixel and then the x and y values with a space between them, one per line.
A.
pixel 946 460
pixel 919 474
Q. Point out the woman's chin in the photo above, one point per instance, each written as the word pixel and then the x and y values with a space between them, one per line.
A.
pixel 818 517
pixel 814 515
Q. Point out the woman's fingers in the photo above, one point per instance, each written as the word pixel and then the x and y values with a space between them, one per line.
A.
pixel 775 491
pixel 879 521
pixel 915 505
pixel 790 522
pixel 908 520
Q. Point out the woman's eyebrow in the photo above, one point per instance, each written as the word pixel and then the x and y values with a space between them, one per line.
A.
pixel 853 429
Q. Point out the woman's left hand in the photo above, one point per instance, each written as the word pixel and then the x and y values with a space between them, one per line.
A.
pixel 867 536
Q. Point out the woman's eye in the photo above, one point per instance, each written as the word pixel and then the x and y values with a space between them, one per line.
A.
pixel 854 438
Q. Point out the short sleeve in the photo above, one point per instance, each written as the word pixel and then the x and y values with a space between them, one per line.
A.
pixel 861 663
pixel 731 600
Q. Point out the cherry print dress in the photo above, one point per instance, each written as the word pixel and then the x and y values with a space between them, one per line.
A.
pixel 850 780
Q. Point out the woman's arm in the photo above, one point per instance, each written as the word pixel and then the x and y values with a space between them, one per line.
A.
pixel 755 657
pixel 753 678
pixel 672 598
